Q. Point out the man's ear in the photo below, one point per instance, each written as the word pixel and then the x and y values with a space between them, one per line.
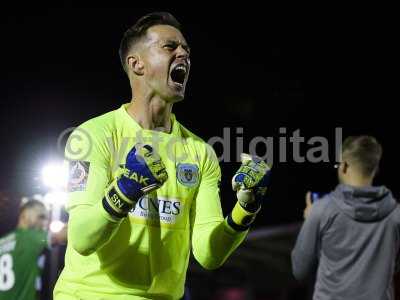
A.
pixel 135 64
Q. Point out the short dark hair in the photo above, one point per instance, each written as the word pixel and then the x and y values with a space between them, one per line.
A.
pixel 364 151
pixel 139 29
pixel 29 204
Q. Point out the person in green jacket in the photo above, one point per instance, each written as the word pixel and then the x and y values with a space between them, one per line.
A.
pixel 21 259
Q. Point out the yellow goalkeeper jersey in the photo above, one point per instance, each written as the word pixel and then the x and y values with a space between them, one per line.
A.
pixel 147 256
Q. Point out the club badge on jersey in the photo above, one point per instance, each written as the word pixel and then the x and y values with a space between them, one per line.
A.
pixel 187 174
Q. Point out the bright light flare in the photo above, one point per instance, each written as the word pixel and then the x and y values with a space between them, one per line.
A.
pixel 55 175
pixel 56 226
pixel 55 198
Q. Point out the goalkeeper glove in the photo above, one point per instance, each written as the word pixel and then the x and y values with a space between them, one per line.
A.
pixel 250 183
pixel 144 172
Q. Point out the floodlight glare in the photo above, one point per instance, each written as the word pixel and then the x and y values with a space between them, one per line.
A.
pixel 55 175
pixel 56 226
pixel 55 198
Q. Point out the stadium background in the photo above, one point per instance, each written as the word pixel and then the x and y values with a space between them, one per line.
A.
pixel 256 68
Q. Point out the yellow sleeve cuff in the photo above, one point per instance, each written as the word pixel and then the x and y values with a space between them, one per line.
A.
pixel 241 216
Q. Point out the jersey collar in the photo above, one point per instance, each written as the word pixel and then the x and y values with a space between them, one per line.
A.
pixel 134 125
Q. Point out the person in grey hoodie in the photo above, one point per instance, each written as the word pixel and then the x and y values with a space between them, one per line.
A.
pixel 350 237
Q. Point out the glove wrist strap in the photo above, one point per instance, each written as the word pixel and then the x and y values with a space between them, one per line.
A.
pixel 241 219
pixel 253 207
pixel 116 203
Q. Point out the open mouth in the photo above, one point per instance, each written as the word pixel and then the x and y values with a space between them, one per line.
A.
pixel 178 74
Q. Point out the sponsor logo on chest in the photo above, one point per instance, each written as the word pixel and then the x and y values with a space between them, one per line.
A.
pixel 166 210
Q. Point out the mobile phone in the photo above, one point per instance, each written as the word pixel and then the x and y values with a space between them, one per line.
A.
pixel 315 196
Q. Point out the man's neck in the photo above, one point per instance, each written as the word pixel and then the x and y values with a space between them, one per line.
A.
pixel 359 182
pixel 151 113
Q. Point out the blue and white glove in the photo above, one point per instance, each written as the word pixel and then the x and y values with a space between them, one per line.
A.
pixel 250 183
pixel 144 172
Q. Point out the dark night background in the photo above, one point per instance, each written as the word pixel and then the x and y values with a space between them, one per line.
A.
pixel 252 67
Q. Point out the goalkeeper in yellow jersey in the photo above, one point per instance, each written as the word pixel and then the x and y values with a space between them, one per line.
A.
pixel 144 190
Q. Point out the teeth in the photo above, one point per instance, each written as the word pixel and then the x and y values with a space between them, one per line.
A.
pixel 178 74
pixel 181 67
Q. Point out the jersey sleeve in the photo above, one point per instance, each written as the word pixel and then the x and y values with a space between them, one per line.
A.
pixel 207 206
pixel 87 157
pixel 212 238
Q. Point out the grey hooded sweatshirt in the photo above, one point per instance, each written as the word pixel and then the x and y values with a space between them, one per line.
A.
pixel 351 239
